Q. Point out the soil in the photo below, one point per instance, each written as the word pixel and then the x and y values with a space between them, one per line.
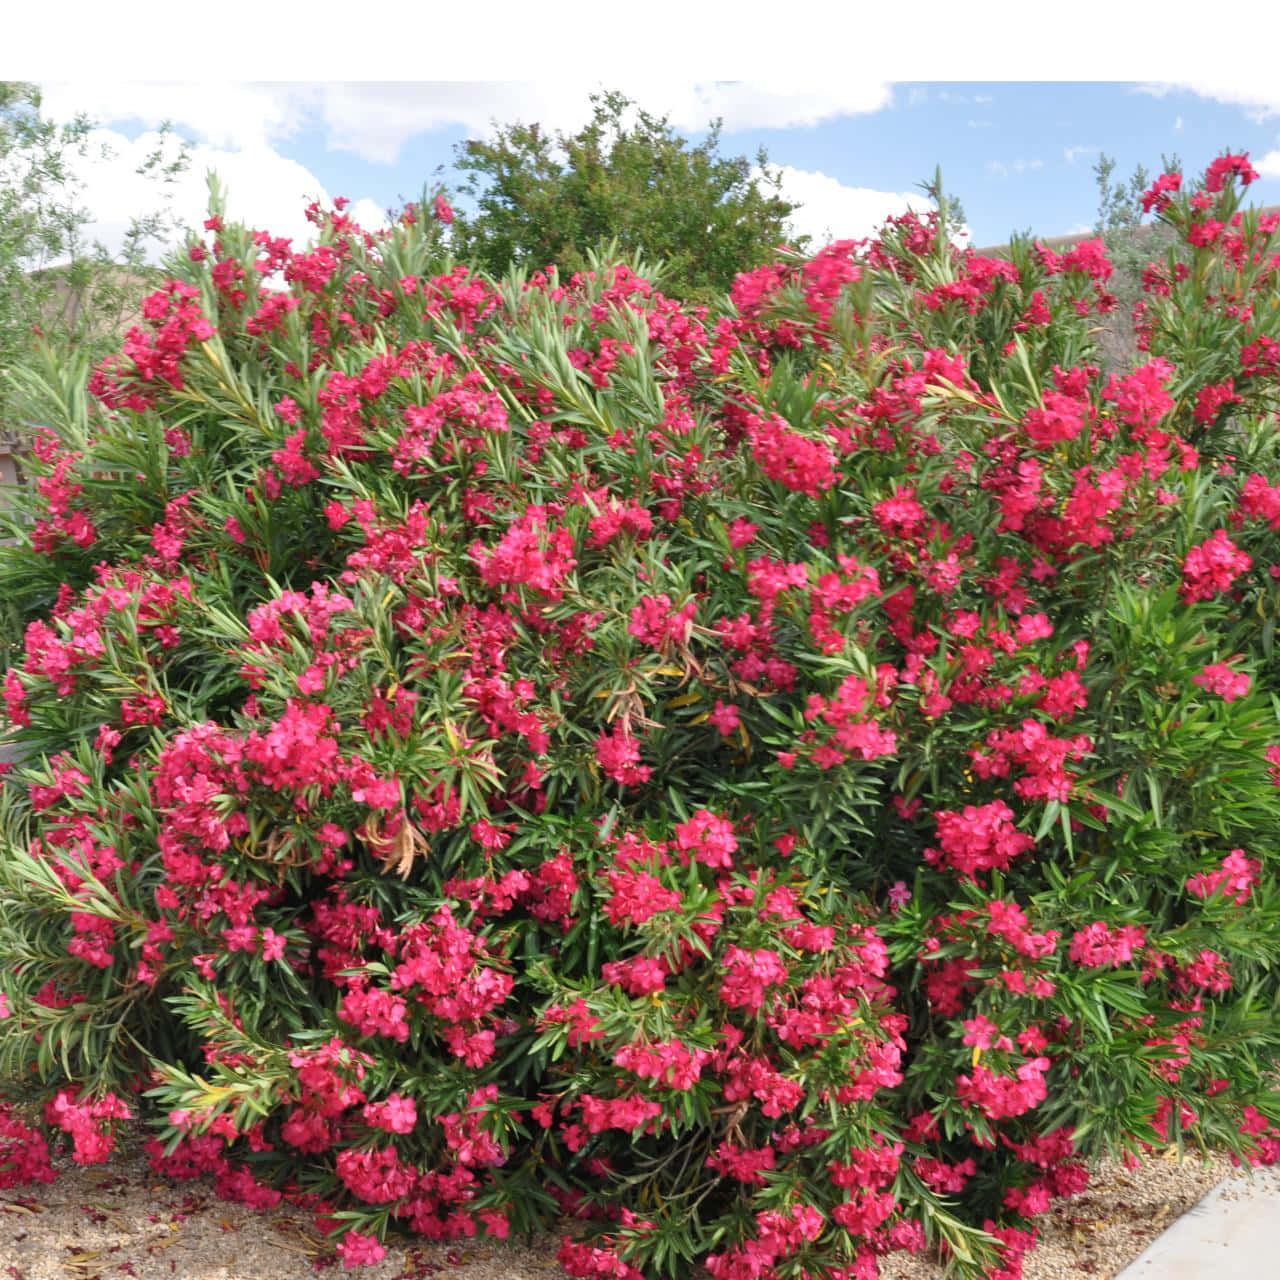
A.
pixel 120 1219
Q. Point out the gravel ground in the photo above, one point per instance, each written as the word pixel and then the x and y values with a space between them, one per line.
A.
pixel 121 1220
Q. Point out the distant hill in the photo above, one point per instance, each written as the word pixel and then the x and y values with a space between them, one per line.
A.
pixel 1059 243
pixel 1118 347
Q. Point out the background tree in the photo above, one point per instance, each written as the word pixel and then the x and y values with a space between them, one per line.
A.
pixel 55 282
pixel 627 176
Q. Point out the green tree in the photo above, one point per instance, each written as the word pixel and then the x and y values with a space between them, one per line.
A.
pixel 628 177
pixel 55 282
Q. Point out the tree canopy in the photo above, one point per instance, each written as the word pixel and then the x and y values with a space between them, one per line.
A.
pixel 626 176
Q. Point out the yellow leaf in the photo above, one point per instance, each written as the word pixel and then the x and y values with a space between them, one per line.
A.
pixel 685 699
pixel 668 671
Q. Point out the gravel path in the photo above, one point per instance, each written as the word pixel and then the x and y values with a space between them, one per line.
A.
pixel 121 1220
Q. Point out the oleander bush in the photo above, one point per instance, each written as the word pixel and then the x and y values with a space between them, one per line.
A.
pixel 758 788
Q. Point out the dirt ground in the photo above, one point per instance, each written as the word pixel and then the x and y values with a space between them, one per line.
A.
pixel 120 1219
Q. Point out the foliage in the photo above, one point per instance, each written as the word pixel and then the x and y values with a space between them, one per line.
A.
pixel 771 788
pixel 53 281
pixel 626 176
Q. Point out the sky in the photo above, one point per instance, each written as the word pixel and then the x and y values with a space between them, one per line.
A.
pixel 1019 156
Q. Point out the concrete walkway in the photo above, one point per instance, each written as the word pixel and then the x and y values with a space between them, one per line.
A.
pixel 1233 1232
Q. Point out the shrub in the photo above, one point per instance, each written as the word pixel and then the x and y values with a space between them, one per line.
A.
pixel 772 787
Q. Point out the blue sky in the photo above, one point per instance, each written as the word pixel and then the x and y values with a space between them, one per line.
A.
pixel 1019 155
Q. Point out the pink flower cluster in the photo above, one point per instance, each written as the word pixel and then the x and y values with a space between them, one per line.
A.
pixel 1234 879
pixel 88 1122
pixel 795 461
pixel 977 838
pixel 1223 680
pixel 1211 567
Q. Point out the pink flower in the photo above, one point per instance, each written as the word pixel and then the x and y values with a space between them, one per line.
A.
pixel 1226 167
pixel 1221 679
pixel 1211 567
pixel 1159 196
pixel 1141 397
pixel 901 515
pixel 978 838
pixel 358 1250
pixel 982 1033
pixel 312 680
pixel 794 461
pixel 397 1114
pixel 656 623
pixel 1208 971
pixel 1060 420
pixel 1235 877
pixel 709 837
pixel 749 974
pixel 637 897
pixel 726 718
pixel 618 755
pixel 1003 1097
pixel 273 945
pixel 1099 946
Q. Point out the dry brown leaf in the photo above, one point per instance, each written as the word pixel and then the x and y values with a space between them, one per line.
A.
pixel 281 847
pixel 399 851
pixel 295 1246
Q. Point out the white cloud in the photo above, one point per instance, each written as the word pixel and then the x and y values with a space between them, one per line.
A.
pixel 1002 170
pixel 264 189
pixel 832 211
pixel 1257 96
pixel 369 214
pixel 1269 165
pixel 227 116
pixel 1072 154
pixel 979 124
pixel 1177 125
pixel 375 120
